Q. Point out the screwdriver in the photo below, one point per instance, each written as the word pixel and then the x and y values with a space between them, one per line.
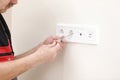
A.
pixel 63 37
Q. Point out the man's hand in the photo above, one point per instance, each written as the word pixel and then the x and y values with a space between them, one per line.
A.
pixel 49 50
pixel 50 39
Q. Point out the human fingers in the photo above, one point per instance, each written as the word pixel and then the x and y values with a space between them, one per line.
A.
pixel 53 44
pixel 58 38
pixel 55 37
pixel 50 39
pixel 57 47
pixel 62 41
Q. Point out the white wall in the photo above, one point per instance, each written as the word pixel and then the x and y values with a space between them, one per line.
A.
pixel 35 20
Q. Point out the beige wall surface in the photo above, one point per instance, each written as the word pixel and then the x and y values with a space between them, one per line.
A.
pixel 7 16
pixel 34 20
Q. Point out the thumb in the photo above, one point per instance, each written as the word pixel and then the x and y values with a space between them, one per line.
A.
pixel 57 47
pixel 53 44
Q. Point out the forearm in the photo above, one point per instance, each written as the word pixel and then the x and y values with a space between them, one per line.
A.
pixel 23 62
pixel 11 69
pixel 28 52
pixel 25 54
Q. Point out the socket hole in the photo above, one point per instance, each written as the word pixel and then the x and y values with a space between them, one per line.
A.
pixel 80 34
pixel 71 32
pixel 62 31
pixel 90 35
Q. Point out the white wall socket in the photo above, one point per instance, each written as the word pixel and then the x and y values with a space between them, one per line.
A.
pixel 88 34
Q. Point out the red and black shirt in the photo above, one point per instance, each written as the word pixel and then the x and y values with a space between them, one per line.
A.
pixel 6 51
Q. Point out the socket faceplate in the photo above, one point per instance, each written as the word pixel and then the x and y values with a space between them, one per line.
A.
pixel 88 34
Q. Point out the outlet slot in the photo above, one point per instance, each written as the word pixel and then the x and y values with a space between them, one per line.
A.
pixel 81 34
